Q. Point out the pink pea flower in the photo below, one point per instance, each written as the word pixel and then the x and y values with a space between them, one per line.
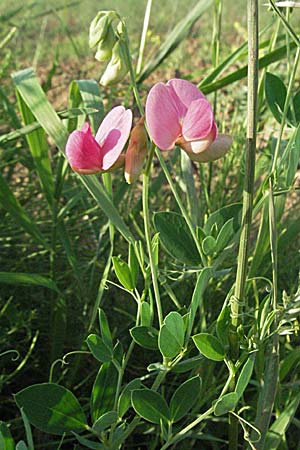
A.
pixel 177 113
pixel 88 154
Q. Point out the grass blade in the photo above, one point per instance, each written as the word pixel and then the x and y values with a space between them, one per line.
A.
pixel 33 279
pixel 179 33
pixel 264 61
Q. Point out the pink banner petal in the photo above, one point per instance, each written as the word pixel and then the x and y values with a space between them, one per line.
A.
pixel 184 93
pixel 162 117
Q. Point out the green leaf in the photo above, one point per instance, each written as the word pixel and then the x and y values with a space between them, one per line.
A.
pixel 27 278
pixel 245 375
pixel 87 93
pixel 226 403
pixel 104 328
pixel 175 236
pixel 278 428
pixel 52 408
pixel 209 346
pixel 225 235
pixel 145 337
pixel 296 103
pixel 171 335
pixel 221 216
pixel 275 92
pixel 200 287
pixel 222 325
pixel 99 349
pixel 155 248
pixel 208 245
pixel 89 444
pixel 21 446
pixel 293 358
pixel 6 440
pixel 123 273
pixel 174 38
pixel 184 398
pixel 150 405
pixel 146 314
pixel 124 401
pixel 133 264
pixel 105 421
pixel 104 389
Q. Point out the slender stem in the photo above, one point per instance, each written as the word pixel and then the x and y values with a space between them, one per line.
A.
pixel 189 427
pixel 144 36
pixel 248 191
pixel 132 76
pixel 153 268
pixel 181 206
pixel 216 38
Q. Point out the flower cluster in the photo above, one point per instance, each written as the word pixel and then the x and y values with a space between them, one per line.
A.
pixel 177 114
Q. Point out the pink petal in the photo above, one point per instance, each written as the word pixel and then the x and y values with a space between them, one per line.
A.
pixel 199 120
pixel 113 134
pixel 162 117
pixel 184 93
pixel 215 151
pixel 83 152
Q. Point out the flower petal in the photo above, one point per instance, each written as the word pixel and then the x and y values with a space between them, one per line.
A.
pixel 199 120
pixel 113 134
pixel 215 151
pixel 162 117
pixel 83 152
pixel 184 93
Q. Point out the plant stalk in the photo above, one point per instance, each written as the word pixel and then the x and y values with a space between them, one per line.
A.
pixel 242 266
pixel 248 194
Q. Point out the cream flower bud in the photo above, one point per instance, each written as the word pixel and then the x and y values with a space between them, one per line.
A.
pixel 105 46
pixel 117 67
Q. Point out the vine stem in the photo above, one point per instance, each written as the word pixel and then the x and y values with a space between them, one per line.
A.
pixel 153 268
pixel 248 193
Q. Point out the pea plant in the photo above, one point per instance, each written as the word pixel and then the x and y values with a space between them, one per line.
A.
pixel 205 354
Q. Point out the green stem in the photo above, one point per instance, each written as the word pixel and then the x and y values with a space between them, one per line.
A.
pixel 132 76
pixel 153 268
pixel 181 206
pixel 248 191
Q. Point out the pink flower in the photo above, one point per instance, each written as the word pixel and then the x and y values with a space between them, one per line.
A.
pixel 177 113
pixel 88 154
